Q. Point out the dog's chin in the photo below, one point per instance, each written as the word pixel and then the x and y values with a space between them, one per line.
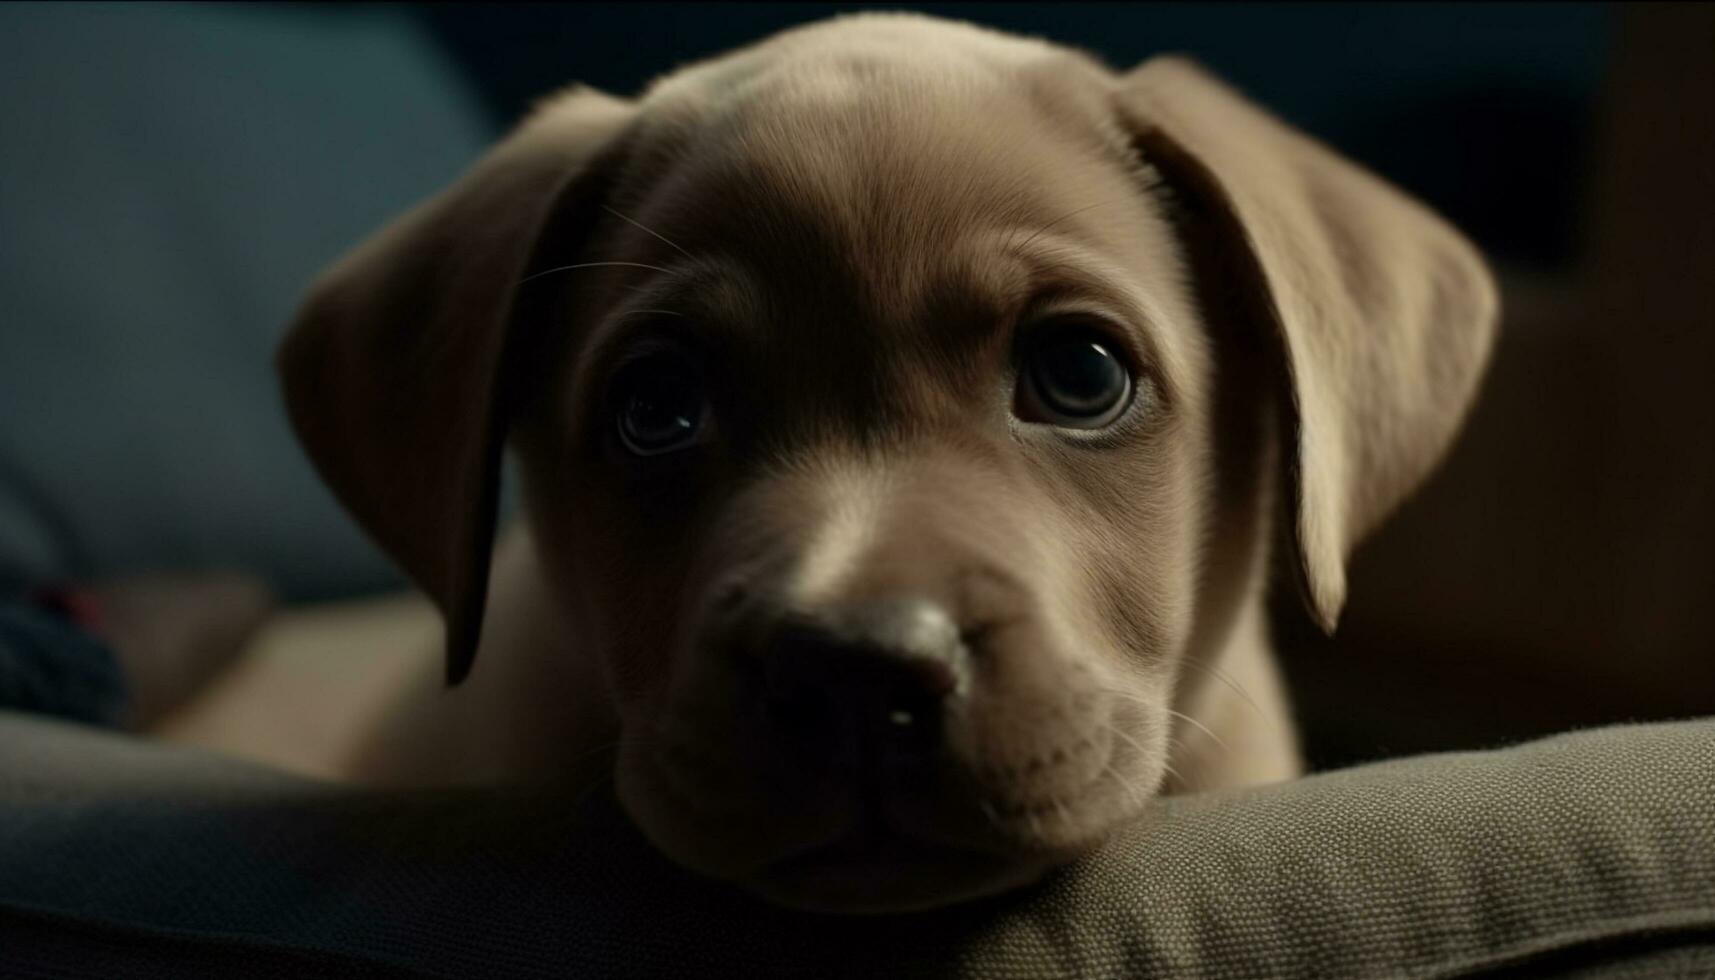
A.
pixel 836 852
pixel 863 870
pixel 871 873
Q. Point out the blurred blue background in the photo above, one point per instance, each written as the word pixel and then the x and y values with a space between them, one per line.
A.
pixel 172 176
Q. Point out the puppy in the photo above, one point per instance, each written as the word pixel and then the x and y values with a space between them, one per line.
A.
pixel 902 412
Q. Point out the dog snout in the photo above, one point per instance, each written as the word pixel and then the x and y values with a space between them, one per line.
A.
pixel 870 682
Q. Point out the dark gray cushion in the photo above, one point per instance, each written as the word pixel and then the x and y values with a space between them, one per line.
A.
pixel 1583 855
pixel 171 177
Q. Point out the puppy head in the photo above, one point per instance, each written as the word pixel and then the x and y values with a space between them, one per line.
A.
pixel 891 398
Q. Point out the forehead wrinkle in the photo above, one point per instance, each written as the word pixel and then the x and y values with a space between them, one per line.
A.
pixel 888 180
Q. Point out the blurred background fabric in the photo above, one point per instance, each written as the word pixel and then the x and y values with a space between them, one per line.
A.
pixel 172 176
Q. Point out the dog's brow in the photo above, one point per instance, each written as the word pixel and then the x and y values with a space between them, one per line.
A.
pixel 711 291
pixel 707 299
pixel 1070 278
pixel 717 293
pixel 1050 226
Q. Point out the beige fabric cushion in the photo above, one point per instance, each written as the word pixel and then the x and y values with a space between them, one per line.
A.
pixel 1589 854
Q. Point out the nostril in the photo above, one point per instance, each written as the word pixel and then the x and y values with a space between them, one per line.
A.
pixel 880 672
pixel 800 678
pixel 800 711
pixel 927 677
pixel 910 720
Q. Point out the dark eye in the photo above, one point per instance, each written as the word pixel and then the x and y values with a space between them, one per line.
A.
pixel 659 404
pixel 1073 378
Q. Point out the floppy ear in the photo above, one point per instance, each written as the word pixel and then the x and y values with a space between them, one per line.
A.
pixel 395 368
pixel 1383 314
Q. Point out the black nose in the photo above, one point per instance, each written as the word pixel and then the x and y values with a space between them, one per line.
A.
pixel 868 681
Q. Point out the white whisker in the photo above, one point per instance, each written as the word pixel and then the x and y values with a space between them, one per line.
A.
pixel 1205 729
pixel 1138 699
pixel 1133 795
pixel 592 265
pixel 1057 221
pixel 1224 679
pixel 1138 797
pixel 656 312
pixel 1124 736
pixel 645 228
pixel 1181 780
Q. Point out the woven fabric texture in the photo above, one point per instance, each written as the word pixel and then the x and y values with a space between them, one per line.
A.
pixel 1588 854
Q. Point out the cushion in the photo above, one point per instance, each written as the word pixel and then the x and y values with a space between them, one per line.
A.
pixel 1588 854
pixel 171 177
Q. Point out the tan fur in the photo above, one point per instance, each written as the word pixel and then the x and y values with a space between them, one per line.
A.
pixel 855 217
